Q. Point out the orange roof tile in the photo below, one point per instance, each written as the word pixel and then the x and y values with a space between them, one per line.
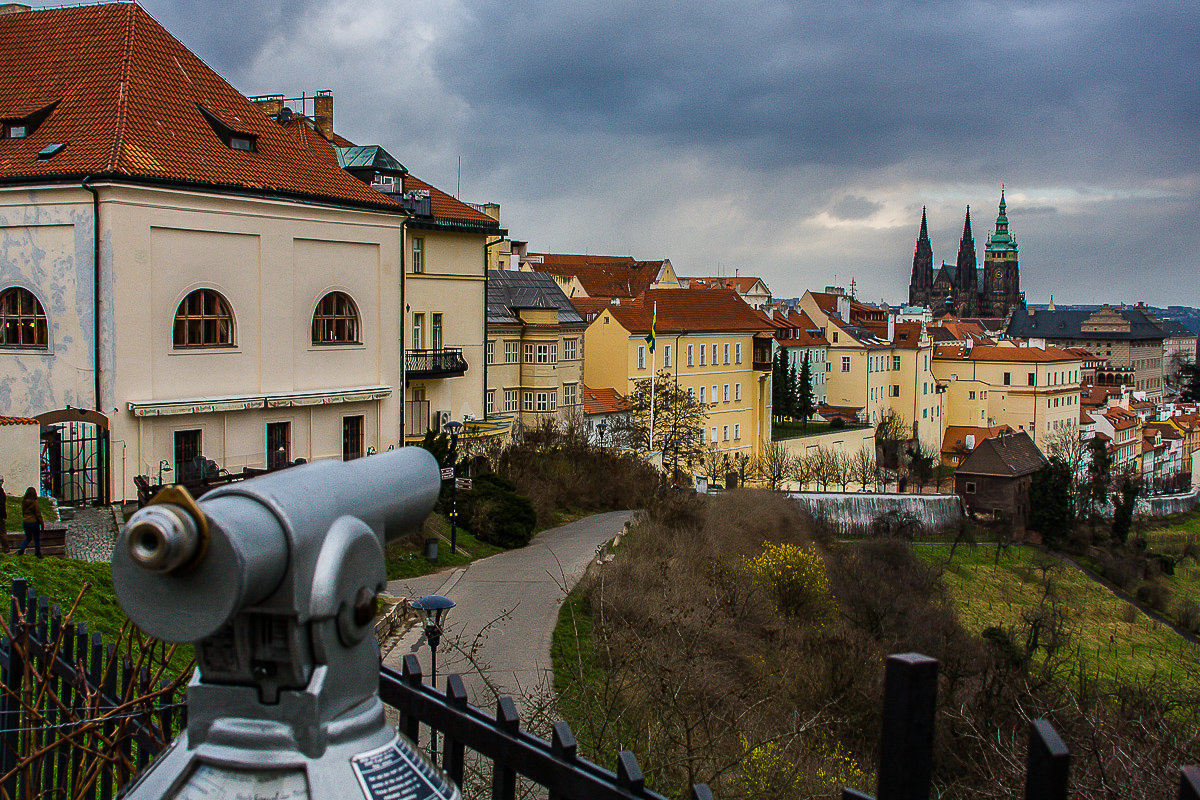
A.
pixel 603 401
pixel 18 421
pixel 127 100
pixel 601 276
pixel 589 307
pixel 687 311
pixel 955 438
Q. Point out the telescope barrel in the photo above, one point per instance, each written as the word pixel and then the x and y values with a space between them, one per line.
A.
pixel 180 585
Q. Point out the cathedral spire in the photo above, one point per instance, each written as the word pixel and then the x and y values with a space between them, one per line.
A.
pixel 920 285
pixel 965 279
pixel 924 235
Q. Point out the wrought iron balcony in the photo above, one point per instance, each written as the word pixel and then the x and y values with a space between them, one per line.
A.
pixel 448 362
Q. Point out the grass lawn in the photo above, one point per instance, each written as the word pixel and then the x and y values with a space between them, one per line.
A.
pixel 1108 636
pixel 1175 530
pixel 60 580
pixel 406 562
pixel 13 508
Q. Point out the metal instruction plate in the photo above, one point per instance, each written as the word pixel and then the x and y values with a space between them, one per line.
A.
pixel 397 771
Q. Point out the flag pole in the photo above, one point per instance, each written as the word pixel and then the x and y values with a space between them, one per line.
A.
pixel 653 369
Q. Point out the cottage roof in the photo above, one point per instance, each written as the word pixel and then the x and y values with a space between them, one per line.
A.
pixel 603 401
pixel 955 438
pixel 1009 455
pixel 510 290
pixel 688 311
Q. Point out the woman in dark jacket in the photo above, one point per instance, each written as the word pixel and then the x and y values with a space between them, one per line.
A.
pixel 31 518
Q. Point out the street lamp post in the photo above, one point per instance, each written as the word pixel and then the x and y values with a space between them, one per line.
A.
pixel 602 427
pixel 454 428
pixel 163 466
pixel 433 608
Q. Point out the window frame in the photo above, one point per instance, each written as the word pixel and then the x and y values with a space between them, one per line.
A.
pixel 344 317
pixel 224 314
pixel 20 319
pixel 418 255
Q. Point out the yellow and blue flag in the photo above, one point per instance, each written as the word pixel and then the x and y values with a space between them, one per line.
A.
pixel 653 326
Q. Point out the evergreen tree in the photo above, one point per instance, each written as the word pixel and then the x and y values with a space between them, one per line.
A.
pixel 793 392
pixel 1050 507
pixel 805 402
pixel 779 385
pixel 1098 478
pixel 1124 501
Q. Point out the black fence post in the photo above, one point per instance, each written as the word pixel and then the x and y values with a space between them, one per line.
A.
pixel 629 773
pixel 564 748
pixel 453 751
pixel 504 778
pixel 906 742
pixel 10 717
pixel 410 724
pixel 1048 764
pixel 700 791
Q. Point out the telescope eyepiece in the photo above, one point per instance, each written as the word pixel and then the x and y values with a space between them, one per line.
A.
pixel 162 538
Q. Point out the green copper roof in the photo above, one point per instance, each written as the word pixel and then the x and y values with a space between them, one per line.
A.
pixel 1001 241
pixel 368 156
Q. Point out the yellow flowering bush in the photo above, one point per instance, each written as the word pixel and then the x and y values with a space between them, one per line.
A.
pixel 795 577
pixel 766 773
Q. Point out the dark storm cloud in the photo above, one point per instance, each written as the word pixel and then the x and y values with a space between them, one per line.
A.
pixel 1008 86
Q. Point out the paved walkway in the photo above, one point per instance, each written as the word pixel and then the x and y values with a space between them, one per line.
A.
pixel 498 636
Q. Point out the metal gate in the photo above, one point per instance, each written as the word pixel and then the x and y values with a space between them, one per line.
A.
pixel 75 456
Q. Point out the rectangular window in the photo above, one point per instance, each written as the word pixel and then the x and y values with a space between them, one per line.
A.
pixel 569 394
pixel 737 391
pixel 512 351
pixel 511 399
pixel 691 394
pixel 569 349
pixel 418 254
pixel 528 353
pixel 895 390
pixel 352 437
pixel 554 352
pixel 724 433
pixel 970 395
pixel 491 351
pixel 528 401
pixel 418 337
pixel 435 328
pixel 641 356
pixel 1008 379
pixel 969 488
pixel 1033 379
pixel 737 353
pixel 725 393
pixel 702 436
pixel 713 434
pixel 737 432
pixel 279 445
pixel 703 350
pixel 725 353
pixel 188 464
pixel 924 413
pixel 845 363
pixel 896 362
pixel 667 355
pixel 714 393
pixel 544 353
pixel 489 406
pixel 543 401
pixel 714 354
pixel 691 353
pixel 703 389
pixel 835 337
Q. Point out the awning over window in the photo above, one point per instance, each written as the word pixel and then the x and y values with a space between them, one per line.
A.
pixel 210 405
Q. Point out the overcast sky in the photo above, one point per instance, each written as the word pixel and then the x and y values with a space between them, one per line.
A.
pixel 795 140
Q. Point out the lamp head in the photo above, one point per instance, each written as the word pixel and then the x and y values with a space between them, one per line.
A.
pixel 433 608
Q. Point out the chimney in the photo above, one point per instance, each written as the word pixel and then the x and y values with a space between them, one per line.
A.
pixel 843 307
pixel 891 327
pixel 271 104
pixel 323 112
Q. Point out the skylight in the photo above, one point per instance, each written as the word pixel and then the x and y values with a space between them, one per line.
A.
pixel 50 150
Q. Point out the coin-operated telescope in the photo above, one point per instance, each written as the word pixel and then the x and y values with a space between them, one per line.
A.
pixel 276 580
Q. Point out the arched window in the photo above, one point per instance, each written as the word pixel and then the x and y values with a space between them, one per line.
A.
pixel 203 319
pixel 22 320
pixel 336 320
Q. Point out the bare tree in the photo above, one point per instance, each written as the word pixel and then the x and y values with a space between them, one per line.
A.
pixel 1066 445
pixel 773 463
pixel 863 467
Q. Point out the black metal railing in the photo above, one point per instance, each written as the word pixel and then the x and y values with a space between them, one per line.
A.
pixel 99 703
pixel 445 362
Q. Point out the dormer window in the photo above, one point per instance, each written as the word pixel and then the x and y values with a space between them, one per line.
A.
pixel 20 127
pixel 233 139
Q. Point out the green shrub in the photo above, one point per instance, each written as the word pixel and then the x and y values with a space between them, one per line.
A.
pixel 1187 611
pixel 1154 593
pixel 496 514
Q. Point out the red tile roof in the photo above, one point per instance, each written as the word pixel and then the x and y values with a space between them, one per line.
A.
pixel 601 276
pixel 955 438
pixel 603 401
pixel 795 329
pixel 589 307
pixel 127 100
pixel 686 311
pixel 444 206
pixel 18 421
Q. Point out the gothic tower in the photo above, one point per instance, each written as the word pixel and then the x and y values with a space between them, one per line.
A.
pixel 1001 272
pixel 966 282
pixel 920 285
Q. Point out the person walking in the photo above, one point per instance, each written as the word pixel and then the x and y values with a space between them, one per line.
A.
pixel 3 517
pixel 31 519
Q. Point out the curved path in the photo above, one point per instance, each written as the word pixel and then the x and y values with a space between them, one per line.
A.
pixel 498 636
